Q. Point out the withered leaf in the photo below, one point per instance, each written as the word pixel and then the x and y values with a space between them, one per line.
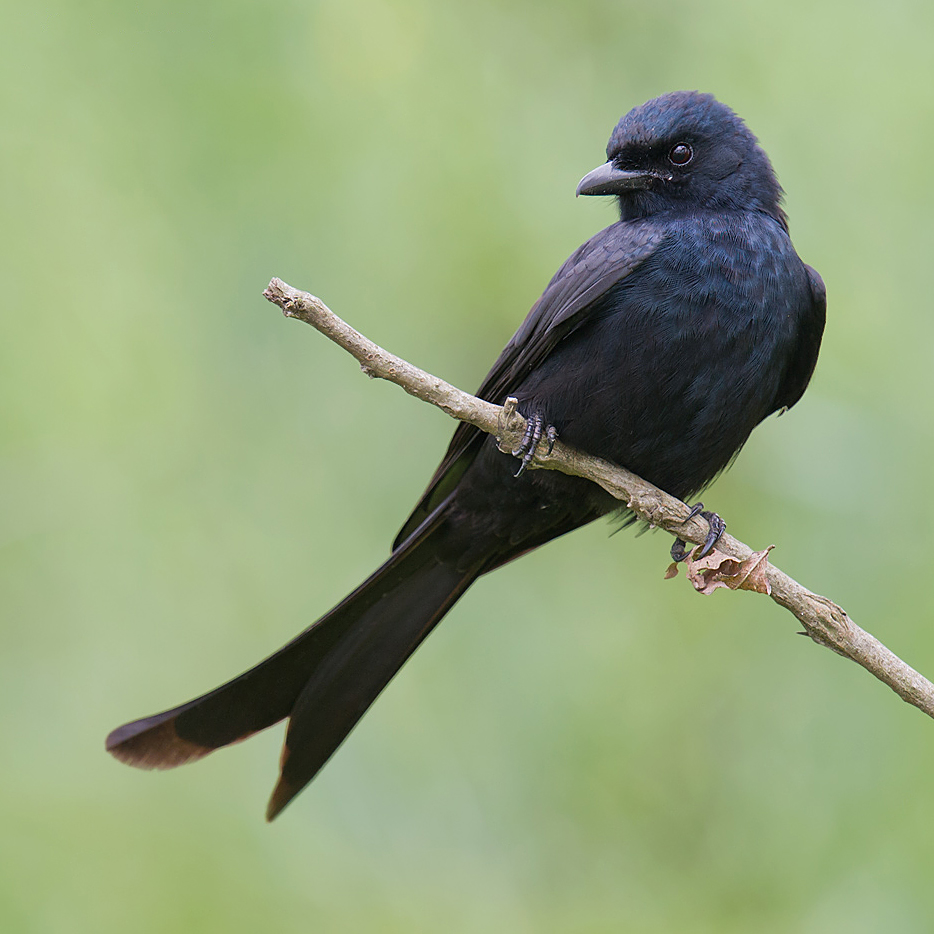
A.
pixel 720 570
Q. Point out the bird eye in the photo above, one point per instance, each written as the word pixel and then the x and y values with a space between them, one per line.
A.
pixel 681 154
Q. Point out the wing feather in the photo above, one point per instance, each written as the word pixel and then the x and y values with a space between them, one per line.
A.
pixel 807 342
pixel 584 277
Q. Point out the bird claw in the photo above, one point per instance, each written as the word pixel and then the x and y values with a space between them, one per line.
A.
pixel 535 430
pixel 679 551
pixel 717 528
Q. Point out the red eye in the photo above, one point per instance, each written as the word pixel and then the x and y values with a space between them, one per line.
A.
pixel 681 154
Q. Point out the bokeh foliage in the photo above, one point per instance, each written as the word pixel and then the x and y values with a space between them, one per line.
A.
pixel 186 479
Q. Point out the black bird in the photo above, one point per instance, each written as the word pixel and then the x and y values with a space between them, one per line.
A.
pixel 659 345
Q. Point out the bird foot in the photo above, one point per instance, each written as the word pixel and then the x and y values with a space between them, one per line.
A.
pixel 679 550
pixel 535 432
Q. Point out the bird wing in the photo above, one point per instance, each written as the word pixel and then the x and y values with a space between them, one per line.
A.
pixel 810 331
pixel 565 304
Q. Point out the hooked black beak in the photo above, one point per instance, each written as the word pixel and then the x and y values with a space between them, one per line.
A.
pixel 609 179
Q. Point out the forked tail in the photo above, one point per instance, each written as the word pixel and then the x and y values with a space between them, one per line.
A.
pixel 323 680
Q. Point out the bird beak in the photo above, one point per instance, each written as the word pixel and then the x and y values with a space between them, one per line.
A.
pixel 608 179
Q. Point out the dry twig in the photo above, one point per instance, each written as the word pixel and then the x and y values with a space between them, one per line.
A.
pixel 734 564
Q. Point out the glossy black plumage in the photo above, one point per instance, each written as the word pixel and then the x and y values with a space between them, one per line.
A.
pixel 659 344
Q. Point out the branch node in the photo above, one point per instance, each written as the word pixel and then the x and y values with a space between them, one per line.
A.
pixel 510 426
pixel 649 506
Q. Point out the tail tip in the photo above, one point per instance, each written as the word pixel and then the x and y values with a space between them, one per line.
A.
pixel 282 794
pixel 152 743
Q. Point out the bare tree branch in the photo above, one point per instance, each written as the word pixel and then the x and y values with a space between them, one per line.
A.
pixel 824 621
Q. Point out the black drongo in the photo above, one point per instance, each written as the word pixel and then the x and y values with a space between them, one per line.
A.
pixel 659 345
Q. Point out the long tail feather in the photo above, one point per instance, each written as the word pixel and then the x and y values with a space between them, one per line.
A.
pixel 324 679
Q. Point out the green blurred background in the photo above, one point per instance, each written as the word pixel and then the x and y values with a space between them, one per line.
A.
pixel 187 479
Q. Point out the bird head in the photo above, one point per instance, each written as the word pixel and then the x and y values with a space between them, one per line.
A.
pixel 682 152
